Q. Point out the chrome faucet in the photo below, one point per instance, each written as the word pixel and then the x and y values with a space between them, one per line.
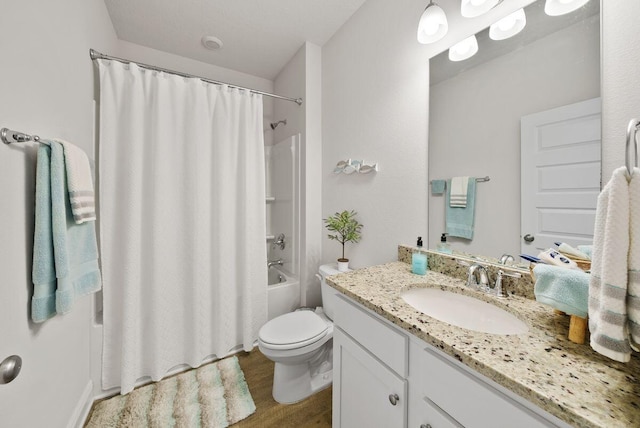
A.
pixel 497 288
pixel 506 259
pixel 278 262
pixel 478 277
pixel 279 242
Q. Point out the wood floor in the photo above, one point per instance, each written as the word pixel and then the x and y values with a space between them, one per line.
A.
pixel 315 411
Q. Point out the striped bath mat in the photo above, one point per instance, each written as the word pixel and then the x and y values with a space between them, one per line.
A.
pixel 213 396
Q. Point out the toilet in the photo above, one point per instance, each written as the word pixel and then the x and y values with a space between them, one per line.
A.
pixel 300 343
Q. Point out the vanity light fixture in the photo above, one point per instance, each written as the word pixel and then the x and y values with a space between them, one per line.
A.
pixel 562 7
pixel 464 49
pixel 433 24
pixel 508 26
pixel 473 8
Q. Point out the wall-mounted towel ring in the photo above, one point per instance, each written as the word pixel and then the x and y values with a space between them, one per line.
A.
pixel 632 131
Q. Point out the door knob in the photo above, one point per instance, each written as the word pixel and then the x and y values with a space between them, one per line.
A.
pixel 529 238
pixel 393 399
pixel 10 369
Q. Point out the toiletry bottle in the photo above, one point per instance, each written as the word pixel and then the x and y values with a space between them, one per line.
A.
pixel 444 246
pixel 419 260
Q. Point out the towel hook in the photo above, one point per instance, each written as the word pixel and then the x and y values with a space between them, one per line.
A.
pixel 632 131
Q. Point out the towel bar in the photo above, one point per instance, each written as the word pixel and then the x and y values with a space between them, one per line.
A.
pixel 632 133
pixel 9 136
pixel 478 180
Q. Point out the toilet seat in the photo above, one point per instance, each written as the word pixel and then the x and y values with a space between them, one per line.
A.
pixel 293 330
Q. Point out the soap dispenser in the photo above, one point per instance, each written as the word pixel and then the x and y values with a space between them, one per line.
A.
pixel 419 260
pixel 443 246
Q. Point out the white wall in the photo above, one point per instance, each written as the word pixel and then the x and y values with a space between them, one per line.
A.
pixel 47 87
pixel 375 107
pixel 301 77
pixel 375 80
pixel 620 78
pixel 475 127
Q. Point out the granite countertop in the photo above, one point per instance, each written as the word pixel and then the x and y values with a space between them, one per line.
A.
pixel 568 380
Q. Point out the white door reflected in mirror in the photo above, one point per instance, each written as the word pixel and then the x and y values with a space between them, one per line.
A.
pixel 560 171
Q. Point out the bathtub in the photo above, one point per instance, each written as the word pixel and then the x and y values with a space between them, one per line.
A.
pixel 283 292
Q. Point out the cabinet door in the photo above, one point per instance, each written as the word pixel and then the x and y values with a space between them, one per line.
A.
pixel 364 389
pixel 425 413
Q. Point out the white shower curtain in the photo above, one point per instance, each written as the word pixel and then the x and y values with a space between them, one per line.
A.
pixel 182 221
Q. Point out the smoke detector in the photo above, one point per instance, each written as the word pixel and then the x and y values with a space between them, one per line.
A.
pixel 211 43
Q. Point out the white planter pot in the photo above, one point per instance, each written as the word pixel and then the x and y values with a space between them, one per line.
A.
pixel 343 266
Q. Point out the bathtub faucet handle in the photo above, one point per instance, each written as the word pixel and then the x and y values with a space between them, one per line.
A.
pixel 279 242
pixel 278 262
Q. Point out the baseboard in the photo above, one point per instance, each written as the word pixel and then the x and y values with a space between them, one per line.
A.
pixel 82 409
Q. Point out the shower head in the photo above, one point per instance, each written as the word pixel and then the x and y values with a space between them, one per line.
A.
pixel 275 124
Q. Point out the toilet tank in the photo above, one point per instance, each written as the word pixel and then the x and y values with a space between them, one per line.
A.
pixel 328 292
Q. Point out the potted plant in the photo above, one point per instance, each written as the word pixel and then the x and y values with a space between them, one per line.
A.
pixel 347 229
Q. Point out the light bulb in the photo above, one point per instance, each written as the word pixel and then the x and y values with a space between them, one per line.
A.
pixel 433 24
pixel 508 26
pixel 473 8
pixel 464 49
pixel 562 7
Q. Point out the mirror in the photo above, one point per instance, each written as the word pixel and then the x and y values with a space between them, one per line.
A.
pixel 475 110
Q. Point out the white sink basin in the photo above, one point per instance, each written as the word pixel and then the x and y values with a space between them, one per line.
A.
pixel 463 311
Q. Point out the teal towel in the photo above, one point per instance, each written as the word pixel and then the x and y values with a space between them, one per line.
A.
pixel 43 302
pixel 564 289
pixel 437 187
pixel 460 221
pixel 65 262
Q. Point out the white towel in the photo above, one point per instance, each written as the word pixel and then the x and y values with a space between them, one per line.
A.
pixel 633 292
pixel 459 187
pixel 609 265
pixel 79 182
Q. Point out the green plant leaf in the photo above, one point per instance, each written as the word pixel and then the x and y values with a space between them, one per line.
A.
pixel 346 226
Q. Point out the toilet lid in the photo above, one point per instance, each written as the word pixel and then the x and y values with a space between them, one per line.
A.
pixel 295 328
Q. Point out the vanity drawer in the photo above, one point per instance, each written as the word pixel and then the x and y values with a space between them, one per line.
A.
pixel 467 399
pixel 381 339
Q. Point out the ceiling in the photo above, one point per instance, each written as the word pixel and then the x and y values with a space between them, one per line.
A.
pixel 259 36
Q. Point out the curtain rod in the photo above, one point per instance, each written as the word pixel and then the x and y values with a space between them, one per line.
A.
pixel 97 55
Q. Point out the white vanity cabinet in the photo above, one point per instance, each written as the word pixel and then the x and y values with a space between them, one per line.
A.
pixel 457 397
pixel 369 370
pixel 385 377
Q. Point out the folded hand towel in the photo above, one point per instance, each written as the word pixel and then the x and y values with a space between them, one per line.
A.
pixel 460 221
pixel 437 187
pixel 43 302
pixel 564 289
pixel 65 254
pixel 459 191
pixel 79 182
pixel 609 270
pixel 74 245
pixel 633 291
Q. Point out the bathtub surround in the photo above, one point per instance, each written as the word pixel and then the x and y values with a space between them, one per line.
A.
pixel 215 396
pixel 182 187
